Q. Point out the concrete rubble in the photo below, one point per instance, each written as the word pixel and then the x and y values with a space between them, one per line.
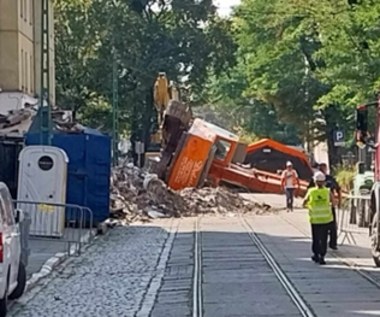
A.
pixel 19 121
pixel 137 195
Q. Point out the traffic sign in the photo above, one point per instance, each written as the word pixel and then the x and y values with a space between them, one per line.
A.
pixel 140 150
pixel 338 138
pixel 139 147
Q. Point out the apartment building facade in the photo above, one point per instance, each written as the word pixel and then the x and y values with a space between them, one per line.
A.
pixel 20 47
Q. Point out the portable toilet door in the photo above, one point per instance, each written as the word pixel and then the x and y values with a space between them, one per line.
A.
pixel 42 181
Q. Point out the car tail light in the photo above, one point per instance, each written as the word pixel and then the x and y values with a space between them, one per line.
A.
pixel 1 248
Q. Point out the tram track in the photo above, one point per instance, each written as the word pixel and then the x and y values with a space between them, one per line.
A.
pixel 232 271
pixel 350 264
pixel 198 310
pixel 290 289
pixel 197 281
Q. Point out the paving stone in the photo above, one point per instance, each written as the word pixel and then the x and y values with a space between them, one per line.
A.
pixel 110 279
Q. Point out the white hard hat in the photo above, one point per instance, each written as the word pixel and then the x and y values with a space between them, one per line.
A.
pixel 319 177
pixel 288 163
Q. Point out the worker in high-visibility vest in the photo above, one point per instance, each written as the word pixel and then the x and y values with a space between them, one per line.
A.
pixel 319 200
pixel 333 185
pixel 290 183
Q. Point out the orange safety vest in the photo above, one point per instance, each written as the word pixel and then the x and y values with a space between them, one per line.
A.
pixel 289 174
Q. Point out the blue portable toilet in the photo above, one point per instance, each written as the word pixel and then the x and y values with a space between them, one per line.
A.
pixel 89 168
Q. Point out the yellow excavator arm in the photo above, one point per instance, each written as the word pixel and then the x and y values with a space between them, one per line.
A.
pixel 173 118
pixel 161 94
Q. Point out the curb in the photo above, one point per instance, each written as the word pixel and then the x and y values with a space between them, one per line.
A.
pixel 46 269
pixel 52 263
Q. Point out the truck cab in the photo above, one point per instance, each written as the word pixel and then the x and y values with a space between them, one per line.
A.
pixel 365 139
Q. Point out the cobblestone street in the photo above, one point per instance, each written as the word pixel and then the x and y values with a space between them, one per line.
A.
pixel 110 279
pixel 211 266
pixel 189 158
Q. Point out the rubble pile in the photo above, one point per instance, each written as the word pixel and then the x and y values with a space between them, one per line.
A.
pixel 19 121
pixel 137 195
pixel 217 201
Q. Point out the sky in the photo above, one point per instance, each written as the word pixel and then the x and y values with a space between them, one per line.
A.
pixel 225 6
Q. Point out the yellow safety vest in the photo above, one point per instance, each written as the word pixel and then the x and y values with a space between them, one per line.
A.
pixel 319 205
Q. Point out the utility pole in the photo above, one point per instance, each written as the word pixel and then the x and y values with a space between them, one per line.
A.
pixel 45 110
pixel 115 109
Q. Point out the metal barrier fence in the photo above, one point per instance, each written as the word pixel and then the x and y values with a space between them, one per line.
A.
pixel 65 223
pixel 354 218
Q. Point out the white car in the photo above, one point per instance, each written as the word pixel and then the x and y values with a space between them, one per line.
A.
pixel 12 270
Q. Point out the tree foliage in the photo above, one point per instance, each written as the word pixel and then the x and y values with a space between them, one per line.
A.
pixel 311 62
pixel 292 70
pixel 184 38
pixel 242 114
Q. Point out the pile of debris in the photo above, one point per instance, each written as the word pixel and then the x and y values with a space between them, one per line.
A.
pixel 137 195
pixel 218 200
pixel 16 121
pixel 19 121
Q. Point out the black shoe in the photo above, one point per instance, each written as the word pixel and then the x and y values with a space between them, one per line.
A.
pixel 315 258
pixel 322 261
pixel 334 247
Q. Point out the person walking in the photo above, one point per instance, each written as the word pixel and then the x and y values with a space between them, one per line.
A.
pixel 319 201
pixel 289 182
pixel 335 189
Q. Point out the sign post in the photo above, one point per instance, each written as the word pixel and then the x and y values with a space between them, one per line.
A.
pixel 338 138
pixel 140 149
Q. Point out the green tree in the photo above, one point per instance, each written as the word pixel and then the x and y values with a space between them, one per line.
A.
pixel 75 49
pixel 248 116
pixel 277 45
pixel 311 61
pixel 182 38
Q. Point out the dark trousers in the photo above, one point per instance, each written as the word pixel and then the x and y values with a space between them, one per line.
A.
pixel 333 231
pixel 319 235
pixel 289 193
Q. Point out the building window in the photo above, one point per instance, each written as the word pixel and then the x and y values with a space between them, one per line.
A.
pixel 31 17
pixel 21 8
pixel 22 70
pixel 25 10
pixel 31 75
pixel 27 85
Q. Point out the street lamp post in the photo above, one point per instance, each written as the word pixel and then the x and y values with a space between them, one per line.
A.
pixel 115 109
pixel 45 110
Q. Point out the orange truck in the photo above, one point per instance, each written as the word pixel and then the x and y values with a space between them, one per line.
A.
pixel 208 153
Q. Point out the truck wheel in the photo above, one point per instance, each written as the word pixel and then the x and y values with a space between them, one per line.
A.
pixel 3 306
pixel 377 261
pixel 21 282
pixel 4 303
pixel 374 242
